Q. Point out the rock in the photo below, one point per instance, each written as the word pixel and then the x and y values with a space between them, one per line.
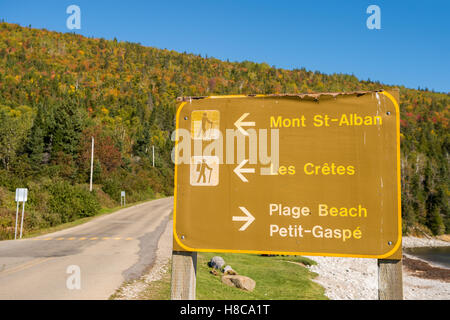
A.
pixel 241 282
pixel 216 262
pixel 214 272
pixel 229 270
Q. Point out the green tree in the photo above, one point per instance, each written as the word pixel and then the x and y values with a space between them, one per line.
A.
pixel 67 129
pixel 14 128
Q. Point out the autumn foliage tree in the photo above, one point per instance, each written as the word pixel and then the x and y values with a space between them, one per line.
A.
pixel 125 94
pixel 106 153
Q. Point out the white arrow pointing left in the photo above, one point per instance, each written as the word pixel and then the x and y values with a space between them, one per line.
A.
pixel 240 123
pixel 249 218
pixel 239 170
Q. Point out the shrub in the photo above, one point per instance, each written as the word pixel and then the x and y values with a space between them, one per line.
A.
pixel 71 202
pixel 7 218
pixel 137 185
pixel 112 186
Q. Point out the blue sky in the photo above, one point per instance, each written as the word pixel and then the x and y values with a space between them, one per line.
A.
pixel 412 48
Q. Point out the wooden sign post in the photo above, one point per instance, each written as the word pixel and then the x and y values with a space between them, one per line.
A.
pixel 390 273
pixel 184 273
pixel 390 279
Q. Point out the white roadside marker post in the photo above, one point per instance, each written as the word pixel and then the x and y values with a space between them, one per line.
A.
pixel 17 217
pixel 122 199
pixel 21 223
pixel 21 196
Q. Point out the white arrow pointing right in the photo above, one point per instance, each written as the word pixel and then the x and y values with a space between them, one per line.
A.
pixel 249 218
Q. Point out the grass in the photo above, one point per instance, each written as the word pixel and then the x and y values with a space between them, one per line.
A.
pixel 277 278
pixel 103 211
pixel 159 290
pixel 155 290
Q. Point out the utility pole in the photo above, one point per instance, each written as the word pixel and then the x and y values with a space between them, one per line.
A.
pixel 92 164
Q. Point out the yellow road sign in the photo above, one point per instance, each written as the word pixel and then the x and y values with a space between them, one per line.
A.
pixel 289 174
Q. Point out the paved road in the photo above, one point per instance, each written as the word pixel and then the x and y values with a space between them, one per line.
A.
pixel 108 250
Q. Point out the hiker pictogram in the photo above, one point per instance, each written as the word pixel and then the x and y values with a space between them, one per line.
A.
pixel 202 168
pixel 204 171
pixel 205 124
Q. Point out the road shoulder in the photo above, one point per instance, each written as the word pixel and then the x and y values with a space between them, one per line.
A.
pixel 148 286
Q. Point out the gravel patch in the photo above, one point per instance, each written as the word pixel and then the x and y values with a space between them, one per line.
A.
pixel 357 278
pixel 132 290
pixel 414 242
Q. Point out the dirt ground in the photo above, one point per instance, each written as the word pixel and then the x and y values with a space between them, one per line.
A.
pixel 423 270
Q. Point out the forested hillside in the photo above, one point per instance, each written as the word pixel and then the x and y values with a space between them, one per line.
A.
pixel 57 90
